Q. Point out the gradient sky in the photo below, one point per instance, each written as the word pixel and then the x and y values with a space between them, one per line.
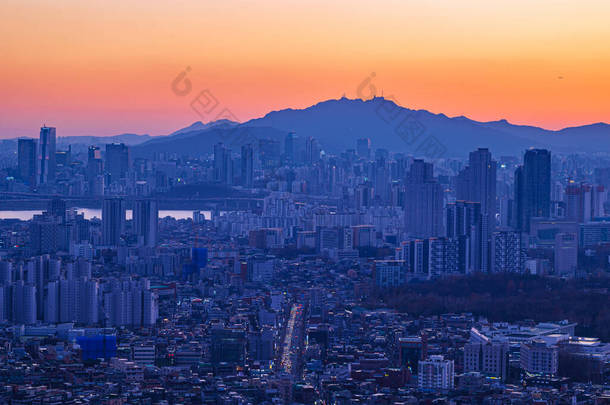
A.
pixel 104 68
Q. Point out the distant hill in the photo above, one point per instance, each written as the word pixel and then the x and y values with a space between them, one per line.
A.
pixel 337 124
pixel 200 142
pixel 200 126
pixel 127 139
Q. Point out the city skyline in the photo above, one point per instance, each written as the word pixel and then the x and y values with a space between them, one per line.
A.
pixel 318 203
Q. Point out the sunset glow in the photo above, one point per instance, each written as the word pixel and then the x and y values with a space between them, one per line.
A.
pixel 103 68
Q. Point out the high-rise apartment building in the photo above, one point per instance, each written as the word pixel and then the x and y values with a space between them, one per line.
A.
pixel 146 222
pixel 113 221
pixel 423 202
pixel 507 251
pixel 247 166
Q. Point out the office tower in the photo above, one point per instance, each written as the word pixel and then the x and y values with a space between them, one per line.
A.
pixel 363 148
pixel 363 195
pixel 46 155
pixel 435 374
pixel 423 202
pixel 599 197
pixel 113 221
pixel 223 167
pixel 57 208
pixel 260 344
pixel 146 222
pixel 566 254
pixel 117 161
pixel 27 160
pixel 382 181
pixel 532 188
pixel 477 183
pixel 411 350
pixel 312 150
pixel 247 166
pixel 269 153
pixel 507 251
pixel 63 158
pixel 228 346
pixel 382 154
pixel 602 176
pixel 290 147
pixel 95 170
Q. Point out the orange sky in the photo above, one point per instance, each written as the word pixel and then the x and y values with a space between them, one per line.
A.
pixel 103 68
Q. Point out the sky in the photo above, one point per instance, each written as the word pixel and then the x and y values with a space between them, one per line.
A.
pixel 105 68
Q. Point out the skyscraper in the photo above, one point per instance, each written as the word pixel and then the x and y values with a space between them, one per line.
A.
pixel 312 150
pixel 95 170
pixel 423 202
pixel 146 222
pixel 480 183
pixel 113 221
pixel 27 160
pixel 533 188
pixel 269 153
pixel 363 148
pixel 223 165
pixel 117 161
pixel 57 207
pixel 46 155
pixel 247 165
pixel 464 224
pixel 289 147
pixel 477 183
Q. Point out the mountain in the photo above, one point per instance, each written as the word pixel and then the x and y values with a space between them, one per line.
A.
pixel 337 124
pixel 201 142
pixel 127 139
pixel 200 126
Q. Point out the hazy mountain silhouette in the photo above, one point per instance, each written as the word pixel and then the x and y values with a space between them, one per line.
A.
pixel 127 139
pixel 201 142
pixel 200 126
pixel 337 124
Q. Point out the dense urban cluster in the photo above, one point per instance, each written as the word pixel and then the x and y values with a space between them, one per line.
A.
pixel 262 292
